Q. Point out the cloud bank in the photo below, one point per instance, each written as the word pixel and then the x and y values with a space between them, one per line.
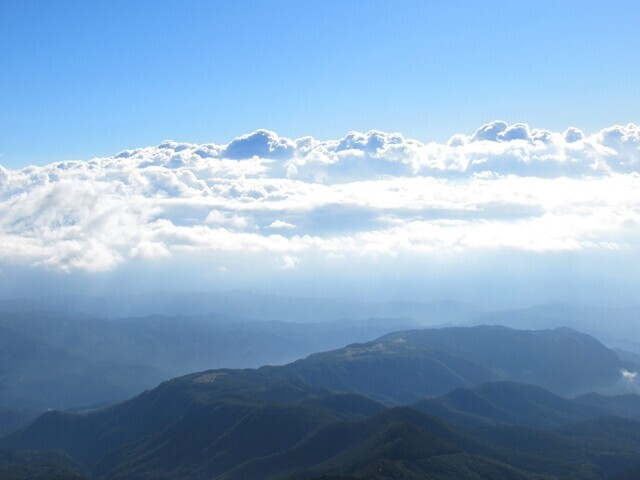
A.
pixel 364 195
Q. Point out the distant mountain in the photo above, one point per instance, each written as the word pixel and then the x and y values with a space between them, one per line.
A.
pixel 58 362
pixel 62 361
pixel 614 326
pixel 626 356
pixel 37 375
pixel 512 403
pixel 239 304
pixel 291 421
pixel 12 418
pixel 619 405
pixel 98 360
pixel 404 367
pixel 177 345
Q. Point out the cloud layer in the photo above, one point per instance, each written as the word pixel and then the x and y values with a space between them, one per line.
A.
pixel 367 194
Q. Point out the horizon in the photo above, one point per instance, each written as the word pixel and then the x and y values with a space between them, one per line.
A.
pixel 70 299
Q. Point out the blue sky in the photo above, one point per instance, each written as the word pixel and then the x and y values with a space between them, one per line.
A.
pixel 479 151
pixel 83 79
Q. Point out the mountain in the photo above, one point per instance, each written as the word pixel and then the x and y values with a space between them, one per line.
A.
pixel 404 367
pixel 626 356
pixel 93 360
pixel 306 420
pixel 49 465
pixel 37 375
pixel 511 403
pixel 177 345
pixel 111 359
pixel 632 473
pixel 240 304
pixel 12 418
pixel 401 367
pixel 238 424
pixel 614 326
pixel 613 442
pixel 212 421
pixel 322 415
pixel 61 361
pixel 627 405
pixel 403 443
pixel 399 443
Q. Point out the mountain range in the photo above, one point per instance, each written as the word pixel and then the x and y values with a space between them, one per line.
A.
pixel 53 360
pixel 474 403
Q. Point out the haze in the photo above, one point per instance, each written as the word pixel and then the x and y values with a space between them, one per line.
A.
pixel 322 240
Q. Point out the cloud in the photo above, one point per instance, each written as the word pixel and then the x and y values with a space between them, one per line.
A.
pixel 490 131
pixel 217 217
pixel 149 250
pixel 289 262
pixel 367 194
pixel 281 224
pixel 629 375
pixel 572 135
pixel 629 378
pixel 261 143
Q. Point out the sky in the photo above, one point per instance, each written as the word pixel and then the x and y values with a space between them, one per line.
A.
pixel 485 152
pixel 84 79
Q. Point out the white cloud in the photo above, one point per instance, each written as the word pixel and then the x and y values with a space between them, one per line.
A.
pixel 289 262
pixel 262 144
pixel 375 193
pixel 281 224
pixel 217 217
pixel 572 135
pixel 629 377
pixel 149 250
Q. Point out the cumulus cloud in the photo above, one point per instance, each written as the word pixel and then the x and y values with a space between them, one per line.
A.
pixel 281 224
pixel 572 135
pixel 261 143
pixel 148 250
pixel 366 194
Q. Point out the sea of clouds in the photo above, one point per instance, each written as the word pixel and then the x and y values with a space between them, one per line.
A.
pixel 366 194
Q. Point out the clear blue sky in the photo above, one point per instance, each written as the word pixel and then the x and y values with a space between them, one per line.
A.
pixel 85 78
